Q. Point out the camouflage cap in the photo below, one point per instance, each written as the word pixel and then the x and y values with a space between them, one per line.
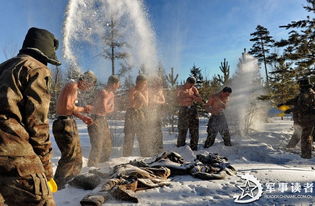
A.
pixel 89 77
pixel 140 78
pixel 112 80
pixel 191 80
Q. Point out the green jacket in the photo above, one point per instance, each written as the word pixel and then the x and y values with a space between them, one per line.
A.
pixel 25 146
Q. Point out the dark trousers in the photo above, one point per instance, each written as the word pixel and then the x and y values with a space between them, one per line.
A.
pixel 101 141
pixel 155 132
pixel 217 124
pixel 135 125
pixel 188 120
pixel 67 138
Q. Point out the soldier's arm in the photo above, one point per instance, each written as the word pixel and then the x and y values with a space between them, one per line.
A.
pixel 161 98
pixel 196 95
pixel 70 98
pixel 35 117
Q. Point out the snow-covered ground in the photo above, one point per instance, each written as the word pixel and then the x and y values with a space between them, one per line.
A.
pixel 285 177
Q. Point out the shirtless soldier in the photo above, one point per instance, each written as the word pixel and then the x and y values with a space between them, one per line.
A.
pixel 156 100
pixel 135 120
pixel 188 115
pixel 65 129
pixel 100 137
pixel 217 122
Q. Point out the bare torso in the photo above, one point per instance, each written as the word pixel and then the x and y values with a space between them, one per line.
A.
pixel 138 99
pixel 104 103
pixel 186 97
pixel 217 103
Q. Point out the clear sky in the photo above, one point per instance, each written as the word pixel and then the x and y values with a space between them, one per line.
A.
pixel 188 32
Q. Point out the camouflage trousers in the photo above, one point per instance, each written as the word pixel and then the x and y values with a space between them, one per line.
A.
pixel 135 125
pixel 188 119
pixel 30 190
pixel 67 138
pixel 155 133
pixel 296 136
pixel 101 141
pixel 307 141
pixel 217 124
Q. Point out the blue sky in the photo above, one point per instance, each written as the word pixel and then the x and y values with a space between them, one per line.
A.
pixel 188 32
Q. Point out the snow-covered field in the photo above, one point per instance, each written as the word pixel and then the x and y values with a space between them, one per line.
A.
pixel 285 177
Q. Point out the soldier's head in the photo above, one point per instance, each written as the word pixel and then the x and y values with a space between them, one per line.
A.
pixel 87 80
pixel 304 84
pixel 226 91
pixel 190 82
pixel 141 82
pixel 113 82
pixel 42 45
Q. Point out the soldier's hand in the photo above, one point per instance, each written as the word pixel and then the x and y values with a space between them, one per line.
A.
pixel 87 120
pixel 88 108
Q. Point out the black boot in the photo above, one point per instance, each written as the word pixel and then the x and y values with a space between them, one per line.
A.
pixel 209 142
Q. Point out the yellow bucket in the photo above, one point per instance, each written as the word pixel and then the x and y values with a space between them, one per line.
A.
pixel 284 107
pixel 282 114
pixel 52 185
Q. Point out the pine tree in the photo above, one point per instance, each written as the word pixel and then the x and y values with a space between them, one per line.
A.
pixel 170 96
pixel 283 84
pixel 299 48
pixel 196 73
pixel 225 69
pixel 261 47
pixel 114 43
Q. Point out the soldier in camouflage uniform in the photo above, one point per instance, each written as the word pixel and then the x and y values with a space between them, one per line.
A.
pixel 25 147
pixel 305 107
pixel 188 114
pixel 100 137
pixel 135 119
pixel 65 128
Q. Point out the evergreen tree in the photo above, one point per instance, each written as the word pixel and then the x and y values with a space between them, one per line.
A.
pixel 114 43
pixel 171 78
pixel 225 69
pixel 299 48
pixel 283 84
pixel 261 47
pixel 196 73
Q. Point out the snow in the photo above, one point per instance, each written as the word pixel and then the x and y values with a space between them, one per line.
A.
pixel 261 153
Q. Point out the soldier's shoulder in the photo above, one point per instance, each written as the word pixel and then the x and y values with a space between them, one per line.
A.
pixel 32 64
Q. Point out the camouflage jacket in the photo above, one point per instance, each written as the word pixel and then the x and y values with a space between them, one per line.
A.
pixel 305 108
pixel 25 146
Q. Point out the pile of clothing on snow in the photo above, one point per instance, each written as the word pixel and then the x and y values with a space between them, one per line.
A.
pixel 128 178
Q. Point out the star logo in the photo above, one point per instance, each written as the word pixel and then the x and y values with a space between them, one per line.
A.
pixel 251 190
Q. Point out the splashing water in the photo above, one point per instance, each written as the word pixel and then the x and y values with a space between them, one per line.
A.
pixel 245 111
pixel 85 25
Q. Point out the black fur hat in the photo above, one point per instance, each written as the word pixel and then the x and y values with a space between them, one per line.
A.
pixel 43 43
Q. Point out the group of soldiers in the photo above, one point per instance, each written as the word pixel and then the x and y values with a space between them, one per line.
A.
pixel 187 97
pixel 303 110
pixel 25 146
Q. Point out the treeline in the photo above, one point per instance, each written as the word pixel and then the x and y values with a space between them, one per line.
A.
pixel 286 60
